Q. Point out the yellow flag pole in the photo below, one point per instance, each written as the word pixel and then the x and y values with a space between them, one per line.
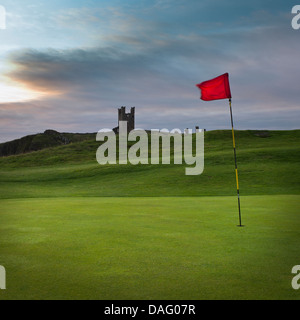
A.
pixel 236 170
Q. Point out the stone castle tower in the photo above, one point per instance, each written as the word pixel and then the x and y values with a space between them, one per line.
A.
pixel 129 117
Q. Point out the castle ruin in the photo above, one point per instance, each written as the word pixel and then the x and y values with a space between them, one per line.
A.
pixel 129 117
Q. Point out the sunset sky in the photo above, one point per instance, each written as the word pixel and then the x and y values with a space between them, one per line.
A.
pixel 68 65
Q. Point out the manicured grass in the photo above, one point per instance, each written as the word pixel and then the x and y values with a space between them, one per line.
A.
pixel 72 229
pixel 149 248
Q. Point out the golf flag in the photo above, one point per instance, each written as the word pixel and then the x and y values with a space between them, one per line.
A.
pixel 215 89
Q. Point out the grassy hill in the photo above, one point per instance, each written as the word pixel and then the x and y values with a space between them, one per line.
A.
pixel 268 164
pixel 72 229
pixel 50 138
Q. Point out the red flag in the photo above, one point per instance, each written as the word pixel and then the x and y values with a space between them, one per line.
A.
pixel 215 89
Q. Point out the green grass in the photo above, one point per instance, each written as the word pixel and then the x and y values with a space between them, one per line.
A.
pixel 266 166
pixel 49 138
pixel 72 229
pixel 150 248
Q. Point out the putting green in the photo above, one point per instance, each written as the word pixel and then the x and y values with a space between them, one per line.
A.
pixel 150 248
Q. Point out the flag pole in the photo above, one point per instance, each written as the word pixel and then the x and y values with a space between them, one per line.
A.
pixel 236 170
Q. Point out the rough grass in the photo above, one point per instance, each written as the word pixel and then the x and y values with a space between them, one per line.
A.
pixel 72 229
pixel 266 166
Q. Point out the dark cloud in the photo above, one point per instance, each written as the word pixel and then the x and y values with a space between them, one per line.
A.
pixel 157 74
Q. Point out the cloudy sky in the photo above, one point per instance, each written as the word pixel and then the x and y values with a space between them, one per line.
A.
pixel 68 65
